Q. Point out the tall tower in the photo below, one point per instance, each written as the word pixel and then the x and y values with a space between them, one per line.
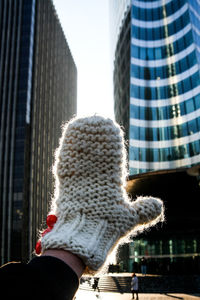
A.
pixel 38 80
pixel 156 51
pixel 165 86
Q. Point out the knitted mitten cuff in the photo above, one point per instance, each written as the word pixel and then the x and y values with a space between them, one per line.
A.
pixel 91 205
pixel 92 237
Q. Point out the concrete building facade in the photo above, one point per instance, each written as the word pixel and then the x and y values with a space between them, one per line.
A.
pixel 157 101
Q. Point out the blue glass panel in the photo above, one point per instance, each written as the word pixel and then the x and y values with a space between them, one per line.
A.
pixel 163 72
pixel 182 108
pixel 192 126
pixel 167 91
pixel 150 53
pixel 197 101
pixel 189 105
pixel 158 53
pixel 159 33
pixel 165 133
pixel 164 154
pixel 134 111
pixel 166 51
pixel 156 13
pixel 142 133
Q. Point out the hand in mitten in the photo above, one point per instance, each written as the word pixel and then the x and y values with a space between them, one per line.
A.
pixel 91 205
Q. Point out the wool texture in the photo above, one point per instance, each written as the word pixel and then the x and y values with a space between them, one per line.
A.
pixel 91 204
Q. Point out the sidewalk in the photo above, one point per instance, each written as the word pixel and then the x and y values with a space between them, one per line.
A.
pixel 117 296
pixel 151 286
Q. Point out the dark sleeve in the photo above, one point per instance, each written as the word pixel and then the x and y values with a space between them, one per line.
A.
pixel 42 278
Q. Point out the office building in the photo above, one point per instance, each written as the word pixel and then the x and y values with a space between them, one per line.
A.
pixel 38 80
pixel 156 49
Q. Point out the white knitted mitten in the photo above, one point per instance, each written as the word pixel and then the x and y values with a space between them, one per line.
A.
pixel 90 202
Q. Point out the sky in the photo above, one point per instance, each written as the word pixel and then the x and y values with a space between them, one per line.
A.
pixel 86 27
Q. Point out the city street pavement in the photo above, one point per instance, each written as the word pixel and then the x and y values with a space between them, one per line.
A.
pixel 88 295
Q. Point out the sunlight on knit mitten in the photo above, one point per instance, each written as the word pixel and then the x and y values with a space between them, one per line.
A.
pixel 90 202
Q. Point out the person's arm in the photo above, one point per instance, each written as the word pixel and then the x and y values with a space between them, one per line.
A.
pixel 69 258
pixel 90 213
pixel 54 276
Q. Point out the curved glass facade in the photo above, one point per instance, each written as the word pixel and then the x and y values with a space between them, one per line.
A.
pixel 164 86
pixel 157 82
pixel 157 101
pixel 118 9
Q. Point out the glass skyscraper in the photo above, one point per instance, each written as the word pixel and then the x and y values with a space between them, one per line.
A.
pixel 156 50
pixel 38 80
pixel 157 59
pixel 165 85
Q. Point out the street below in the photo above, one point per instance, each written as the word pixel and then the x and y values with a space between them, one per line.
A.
pixel 90 295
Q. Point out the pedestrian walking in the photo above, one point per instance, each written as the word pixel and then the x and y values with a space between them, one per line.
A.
pixel 95 285
pixel 134 286
pixel 144 266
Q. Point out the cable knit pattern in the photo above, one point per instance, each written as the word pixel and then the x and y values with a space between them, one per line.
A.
pixel 90 200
